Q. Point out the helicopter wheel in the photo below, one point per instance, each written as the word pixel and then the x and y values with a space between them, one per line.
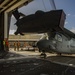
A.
pixel 43 55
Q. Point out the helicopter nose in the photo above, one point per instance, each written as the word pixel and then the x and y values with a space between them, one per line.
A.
pixel 52 47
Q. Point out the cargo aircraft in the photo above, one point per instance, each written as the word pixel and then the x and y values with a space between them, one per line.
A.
pixel 40 22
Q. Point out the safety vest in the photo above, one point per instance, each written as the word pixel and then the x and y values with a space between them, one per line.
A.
pixel 6 43
pixel 3 42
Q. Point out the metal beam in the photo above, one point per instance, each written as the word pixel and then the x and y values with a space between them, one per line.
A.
pixel 2 4
pixel 5 25
pixel 20 3
pixel 4 8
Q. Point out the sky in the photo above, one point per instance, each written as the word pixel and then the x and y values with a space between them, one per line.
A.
pixel 68 7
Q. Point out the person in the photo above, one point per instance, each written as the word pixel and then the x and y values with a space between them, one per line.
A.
pixel 18 45
pixel 7 45
pixel 4 44
pixel 15 46
pixel 24 44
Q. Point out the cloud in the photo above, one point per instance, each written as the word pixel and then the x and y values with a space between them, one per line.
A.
pixel 66 22
pixel 68 14
pixel 73 30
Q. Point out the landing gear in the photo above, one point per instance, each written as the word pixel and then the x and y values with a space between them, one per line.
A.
pixel 16 33
pixel 21 33
pixel 58 54
pixel 43 54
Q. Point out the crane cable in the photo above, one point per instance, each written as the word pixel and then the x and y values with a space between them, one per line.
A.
pixel 52 3
pixel 44 35
pixel 44 5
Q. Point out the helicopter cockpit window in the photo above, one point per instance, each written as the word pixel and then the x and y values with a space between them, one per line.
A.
pixel 58 37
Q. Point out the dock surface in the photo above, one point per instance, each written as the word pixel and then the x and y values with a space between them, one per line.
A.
pixel 30 63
